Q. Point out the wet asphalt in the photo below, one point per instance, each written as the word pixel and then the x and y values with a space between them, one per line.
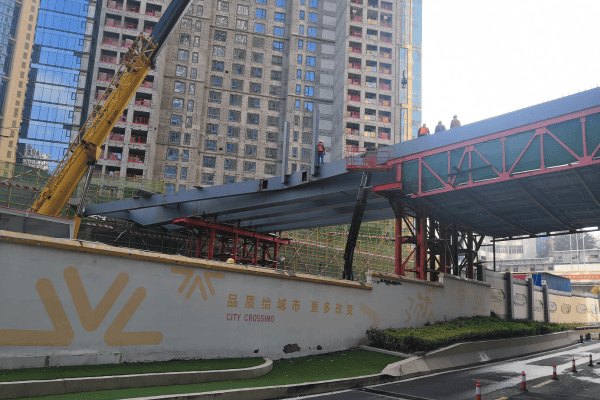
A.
pixel 499 381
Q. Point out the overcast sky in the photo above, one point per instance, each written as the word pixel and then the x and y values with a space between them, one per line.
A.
pixel 482 58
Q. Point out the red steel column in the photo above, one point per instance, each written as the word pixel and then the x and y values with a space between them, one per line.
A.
pixel 421 259
pixel 398 265
pixel 211 243
pixel 235 250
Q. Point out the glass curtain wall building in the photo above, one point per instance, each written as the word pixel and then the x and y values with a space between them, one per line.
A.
pixel 57 83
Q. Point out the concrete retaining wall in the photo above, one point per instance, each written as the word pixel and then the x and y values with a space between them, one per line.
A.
pixel 60 297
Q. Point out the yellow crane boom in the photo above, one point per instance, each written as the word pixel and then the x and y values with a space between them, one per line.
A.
pixel 85 150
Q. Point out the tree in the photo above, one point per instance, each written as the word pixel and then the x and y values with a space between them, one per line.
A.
pixel 575 241
pixel 596 289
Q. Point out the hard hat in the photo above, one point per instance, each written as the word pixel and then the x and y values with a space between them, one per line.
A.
pixel 440 122
pixel 320 141
pixel 454 116
pixel 424 124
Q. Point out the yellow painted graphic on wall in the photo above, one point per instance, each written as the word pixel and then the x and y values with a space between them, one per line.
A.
pixel 189 273
pixel 419 309
pixel 479 304
pixel 90 319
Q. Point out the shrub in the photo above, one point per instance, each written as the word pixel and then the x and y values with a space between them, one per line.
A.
pixel 462 329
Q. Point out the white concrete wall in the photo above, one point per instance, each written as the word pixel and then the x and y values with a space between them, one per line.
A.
pixel 64 297
pixel 538 307
pixel 521 301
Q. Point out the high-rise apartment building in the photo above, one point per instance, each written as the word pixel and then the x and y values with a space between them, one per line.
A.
pixel 58 85
pixel 235 71
pixel 17 23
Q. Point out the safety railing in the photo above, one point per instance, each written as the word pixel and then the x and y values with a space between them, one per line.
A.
pixel 119 137
pixel 353 114
pixel 354 97
pixel 135 159
pixel 137 139
pixel 369 160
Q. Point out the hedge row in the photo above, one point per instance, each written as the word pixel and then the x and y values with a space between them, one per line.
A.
pixel 459 330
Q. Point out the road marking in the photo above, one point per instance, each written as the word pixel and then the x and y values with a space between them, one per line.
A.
pixel 502 398
pixel 392 395
pixel 543 383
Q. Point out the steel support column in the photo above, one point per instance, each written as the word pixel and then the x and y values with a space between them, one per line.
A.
pixel 470 255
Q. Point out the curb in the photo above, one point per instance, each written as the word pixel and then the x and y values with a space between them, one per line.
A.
pixel 278 392
pixel 10 390
pixel 391 353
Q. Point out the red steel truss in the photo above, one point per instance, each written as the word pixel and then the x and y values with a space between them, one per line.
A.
pixel 221 242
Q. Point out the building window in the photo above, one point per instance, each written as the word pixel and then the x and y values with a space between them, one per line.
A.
pixel 221 36
pixel 230 164
pixel 279 17
pixel 175 120
pixel 214 113
pixel 242 10
pixel 241 39
pixel 174 137
pixel 172 154
pixel 239 54
pixel 261 1
pixel 256 72
pixel 183 55
pixel 209 162
pixel 210 145
pixel 272 121
pixel 238 69
pixel 312 17
pixel 297 105
pixel 170 172
pixel 312 32
pixel 255 87
pixel 308 106
pixel 306 138
pixel 296 120
pixel 221 21
pixel 302 15
pixel 250 150
pixel 169 187
pixel 186 23
pixel 223 5
pixel 259 28
pixel 185 157
pixel 196 41
pixel 233 131
pixel 260 13
pixel 235 116
pixel 271 153
pixel 311 46
pixel 253 102
pixel 298 89
pixel 214 97
pixel 253 119
pixel 228 179
pixel 309 76
pixel 230 148
pixel 188 122
pixel 294 152
pixel 192 88
pixel 258 42
pixel 199 10
pixel 273 105
pixel 277 46
pixel 212 129
pixel 216 81
pixel 272 136
pixel 178 104
pixel 299 58
pixel 313 3
pixel 251 134
pixel 277 60
pixel 280 3
pixel 257 57
pixel 307 122
pixel 183 175
pixel 208 179
pixel 301 29
pixel 275 90
pixel 310 61
pixel 237 84
pixel 278 31
pixel 179 87
pixel 306 153
pixel 184 39
pixel 198 26
pixel 249 166
pixel 235 100
pixel 217 66
pixel 194 72
pixel 181 71
pixel 218 51
pixel 300 44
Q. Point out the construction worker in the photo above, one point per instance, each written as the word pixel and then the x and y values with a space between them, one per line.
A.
pixel 321 150
pixel 424 130
pixel 440 127
pixel 455 123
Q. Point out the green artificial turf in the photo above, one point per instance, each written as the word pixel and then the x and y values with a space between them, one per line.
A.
pixel 285 372
pixel 31 374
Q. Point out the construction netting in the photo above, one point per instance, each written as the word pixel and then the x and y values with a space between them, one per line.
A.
pixel 20 184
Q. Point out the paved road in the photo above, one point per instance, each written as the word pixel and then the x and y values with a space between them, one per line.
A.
pixel 498 381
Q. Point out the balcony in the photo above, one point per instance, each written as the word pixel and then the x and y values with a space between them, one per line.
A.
pixel 356 50
pixel 386 119
pixel 126 43
pixel 110 41
pixel 141 120
pixel 135 159
pixel 372 37
pixel 386 24
pixel 372 21
pixel 112 23
pixel 384 135
pixel 108 59
pixel 143 102
pixel 354 65
pixel 386 103
pixel 387 71
pixel 138 139
pixel 370 134
pixel 99 95
pixel 353 81
pixel 356 18
pixel 371 68
pixel 103 76
pixel 353 114
pixel 371 84
pixel 372 53
pixel 148 29
pixel 386 54
pixel 119 137
pixel 386 39
pixel 115 5
pixel 154 13
pixel 354 97
pixel 114 156
pixel 147 84
pixel 386 6
pixel 357 34
pixel 385 86
pixel 370 101
pixel 132 26
pixel 350 131
pixel 133 9
pixel 369 117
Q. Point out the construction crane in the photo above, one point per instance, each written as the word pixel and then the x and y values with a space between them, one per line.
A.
pixel 85 149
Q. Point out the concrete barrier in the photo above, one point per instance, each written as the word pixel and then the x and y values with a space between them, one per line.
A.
pixel 476 353
pixel 10 390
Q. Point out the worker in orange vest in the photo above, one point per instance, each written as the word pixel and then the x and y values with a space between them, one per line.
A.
pixel 424 130
pixel 321 150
